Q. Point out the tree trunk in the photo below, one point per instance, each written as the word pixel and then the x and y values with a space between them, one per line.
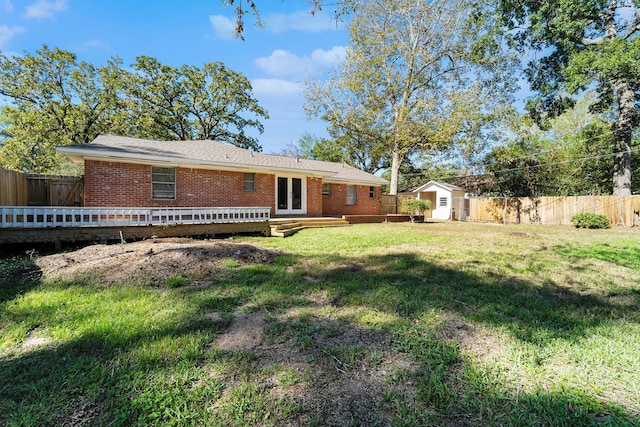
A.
pixel 395 171
pixel 622 132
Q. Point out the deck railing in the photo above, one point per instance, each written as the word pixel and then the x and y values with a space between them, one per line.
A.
pixel 48 217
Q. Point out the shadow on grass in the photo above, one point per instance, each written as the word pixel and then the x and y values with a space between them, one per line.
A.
pixel 109 377
pixel 533 314
pixel 18 274
pixel 121 377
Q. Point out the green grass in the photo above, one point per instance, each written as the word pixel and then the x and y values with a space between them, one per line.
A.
pixel 516 325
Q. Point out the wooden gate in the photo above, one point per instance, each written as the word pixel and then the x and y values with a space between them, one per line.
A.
pixel 54 190
pixel 392 204
pixel 18 189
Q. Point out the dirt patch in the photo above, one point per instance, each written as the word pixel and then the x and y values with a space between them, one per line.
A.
pixel 32 342
pixel 154 260
pixel 343 370
pixel 245 333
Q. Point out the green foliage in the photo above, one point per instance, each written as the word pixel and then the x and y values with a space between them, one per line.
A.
pixel 352 149
pixel 188 102
pixel 401 89
pixel 415 207
pixel 570 157
pixel 590 220
pixel 580 45
pixel 56 100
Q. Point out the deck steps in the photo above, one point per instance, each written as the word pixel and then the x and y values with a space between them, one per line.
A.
pixel 287 227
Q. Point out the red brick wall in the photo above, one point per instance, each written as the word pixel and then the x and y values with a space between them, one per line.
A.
pixel 114 184
pixel 122 185
pixel 336 203
pixel 314 197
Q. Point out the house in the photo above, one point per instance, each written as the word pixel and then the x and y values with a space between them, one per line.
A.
pixel 447 200
pixel 131 172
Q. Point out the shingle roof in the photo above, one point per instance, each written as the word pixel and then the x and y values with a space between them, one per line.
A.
pixel 211 154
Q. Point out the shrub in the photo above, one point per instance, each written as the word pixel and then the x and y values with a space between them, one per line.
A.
pixel 415 207
pixel 590 220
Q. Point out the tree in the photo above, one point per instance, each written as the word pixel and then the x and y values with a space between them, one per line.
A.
pixel 415 207
pixel 349 148
pixel 411 81
pixel 578 45
pixel 188 102
pixel 571 157
pixel 341 7
pixel 55 101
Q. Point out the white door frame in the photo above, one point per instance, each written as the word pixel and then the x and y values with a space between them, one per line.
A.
pixel 288 210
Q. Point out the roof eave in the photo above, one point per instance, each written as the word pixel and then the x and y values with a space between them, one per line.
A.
pixel 79 155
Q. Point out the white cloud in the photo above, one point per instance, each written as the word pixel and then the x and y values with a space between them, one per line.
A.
pixel 94 44
pixel 7 33
pixel 283 63
pixel 45 8
pixel 6 5
pixel 301 21
pixel 278 87
pixel 329 58
pixel 224 27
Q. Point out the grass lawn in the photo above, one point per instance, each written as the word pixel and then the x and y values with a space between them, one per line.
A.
pixel 387 324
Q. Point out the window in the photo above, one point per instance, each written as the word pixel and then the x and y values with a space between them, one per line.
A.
pixel 351 194
pixel 326 189
pixel 372 192
pixel 163 183
pixel 249 182
pixel 443 202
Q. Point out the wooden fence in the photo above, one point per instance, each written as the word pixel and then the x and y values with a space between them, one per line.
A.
pixel 621 210
pixel 392 204
pixel 13 188
pixel 19 189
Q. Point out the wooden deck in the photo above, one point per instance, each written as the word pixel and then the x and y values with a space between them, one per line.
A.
pixel 20 224
pixel 283 227
pixel 52 217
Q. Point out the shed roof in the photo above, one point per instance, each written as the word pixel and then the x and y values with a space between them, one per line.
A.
pixel 444 185
pixel 211 154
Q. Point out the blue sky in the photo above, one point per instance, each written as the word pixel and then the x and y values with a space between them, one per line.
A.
pixel 292 47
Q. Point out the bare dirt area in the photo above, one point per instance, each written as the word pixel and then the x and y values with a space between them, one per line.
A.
pixel 155 260
pixel 338 372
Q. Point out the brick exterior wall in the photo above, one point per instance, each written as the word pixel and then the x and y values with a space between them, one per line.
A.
pixel 314 197
pixel 129 185
pixel 115 184
pixel 336 203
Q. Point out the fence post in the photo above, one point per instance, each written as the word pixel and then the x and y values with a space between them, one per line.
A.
pixel 505 211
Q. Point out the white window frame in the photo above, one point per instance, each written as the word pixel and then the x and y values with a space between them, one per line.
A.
pixel 251 182
pixel 352 199
pixel 157 173
pixel 443 202
pixel 326 185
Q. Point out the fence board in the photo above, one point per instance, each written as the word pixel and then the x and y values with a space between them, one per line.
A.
pixel 621 210
pixel 13 188
pixel 392 204
pixel 54 190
